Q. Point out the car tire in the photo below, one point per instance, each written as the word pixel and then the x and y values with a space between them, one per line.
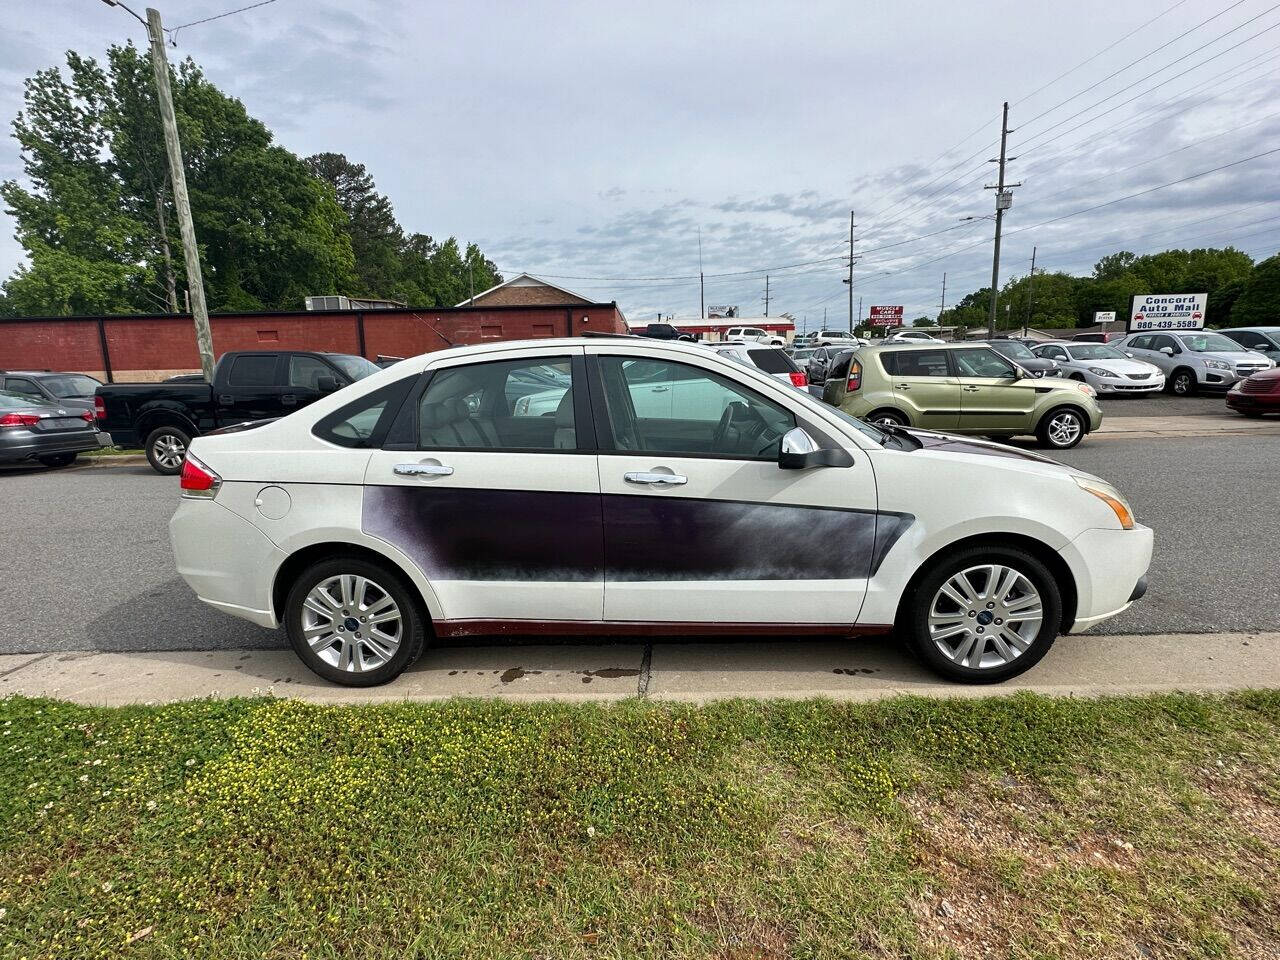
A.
pixel 889 415
pixel 166 448
pixel 1054 432
pixel 59 460
pixel 349 652
pixel 924 621
pixel 1182 382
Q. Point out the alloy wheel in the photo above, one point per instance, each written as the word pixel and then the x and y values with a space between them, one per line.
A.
pixel 352 623
pixel 1064 429
pixel 1182 384
pixel 985 616
pixel 169 450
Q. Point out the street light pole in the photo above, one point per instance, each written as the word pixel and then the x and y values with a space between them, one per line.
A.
pixel 178 178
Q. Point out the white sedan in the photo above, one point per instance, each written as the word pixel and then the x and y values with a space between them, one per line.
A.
pixel 1103 367
pixel 423 503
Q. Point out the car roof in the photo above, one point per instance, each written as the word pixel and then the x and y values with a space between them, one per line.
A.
pixel 1249 330
pixel 931 345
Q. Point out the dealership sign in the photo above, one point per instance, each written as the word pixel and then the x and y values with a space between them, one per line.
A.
pixel 1104 316
pixel 886 316
pixel 1168 311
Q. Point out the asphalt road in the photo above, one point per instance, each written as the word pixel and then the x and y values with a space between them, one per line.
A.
pixel 86 562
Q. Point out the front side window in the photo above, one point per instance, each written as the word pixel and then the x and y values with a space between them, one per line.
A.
pixel 522 404
pixel 686 410
pixel 982 363
pixel 306 372
pixel 253 371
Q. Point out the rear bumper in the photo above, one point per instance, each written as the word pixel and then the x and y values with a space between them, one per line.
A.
pixel 1109 568
pixel 33 445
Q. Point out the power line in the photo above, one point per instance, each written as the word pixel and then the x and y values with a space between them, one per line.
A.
pixel 173 32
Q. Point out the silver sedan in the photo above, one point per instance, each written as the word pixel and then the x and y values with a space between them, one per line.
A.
pixel 1103 367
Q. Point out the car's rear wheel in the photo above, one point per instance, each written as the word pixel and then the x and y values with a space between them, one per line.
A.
pixel 1061 429
pixel 166 448
pixel 354 622
pixel 59 460
pixel 984 614
pixel 889 416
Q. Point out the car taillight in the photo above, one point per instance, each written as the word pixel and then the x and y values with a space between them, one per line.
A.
pixel 798 379
pixel 855 377
pixel 199 481
pixel 87 416
pixel 19 420
pixel 100 408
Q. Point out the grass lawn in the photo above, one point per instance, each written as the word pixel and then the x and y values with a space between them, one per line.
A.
pixel 1018 827
pixel 109 452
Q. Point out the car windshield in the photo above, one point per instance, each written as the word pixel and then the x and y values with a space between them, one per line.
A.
pixel 804 354
pixel 1209 342
pixel 70 385
pixel 357 368
pixel 1094 351
pixel 1013 349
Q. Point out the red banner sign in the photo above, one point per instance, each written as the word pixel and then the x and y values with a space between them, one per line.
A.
pixel 886 316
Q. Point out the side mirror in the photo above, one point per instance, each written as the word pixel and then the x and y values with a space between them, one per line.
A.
pixel 327 384
pixel 798 451
pixel 1167 351
pixel 1128 354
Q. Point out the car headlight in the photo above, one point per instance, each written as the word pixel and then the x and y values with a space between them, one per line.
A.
pixel 1099 372
pixel 1217 365
pixel 1084 388
pixel 1110 496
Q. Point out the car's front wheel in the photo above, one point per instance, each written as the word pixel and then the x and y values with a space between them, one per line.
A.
pixel 354 622
pixel 1182 383
pixel 166 448
pixel 1061 429
pixel 983 615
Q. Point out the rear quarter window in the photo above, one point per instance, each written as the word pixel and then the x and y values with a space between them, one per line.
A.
pixel 364 422
pixel 253 371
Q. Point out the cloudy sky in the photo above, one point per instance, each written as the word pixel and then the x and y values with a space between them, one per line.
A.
pixel 593 141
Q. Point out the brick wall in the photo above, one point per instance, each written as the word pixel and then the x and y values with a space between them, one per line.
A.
pixel 155 347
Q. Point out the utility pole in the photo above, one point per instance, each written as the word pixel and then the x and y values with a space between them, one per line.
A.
pixel 702 287
pixel 1031 292
pixel 942 308
pixel 849 279
pixel 181 202
pixel 766 294
pixel 1004 200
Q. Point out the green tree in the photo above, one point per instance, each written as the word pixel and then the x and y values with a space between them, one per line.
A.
pixel 1259 301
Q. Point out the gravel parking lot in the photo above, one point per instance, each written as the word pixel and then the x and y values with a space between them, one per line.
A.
pixel 88 554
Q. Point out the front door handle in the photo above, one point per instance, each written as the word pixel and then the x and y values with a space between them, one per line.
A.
pixel 422 470
pixel 659 389
pixel 226 399
pixel 902 386
pixel 289 399
pixel 654 478
pixel 971 389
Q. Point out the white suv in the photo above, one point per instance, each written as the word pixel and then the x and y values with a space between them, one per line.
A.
pixel 756 334
pixel 421 504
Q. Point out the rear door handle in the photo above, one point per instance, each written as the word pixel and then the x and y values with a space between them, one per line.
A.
pixel 654 478
pixel 660 389
pixel 289 399
pixel 971 389
pixel 902 386
pixel 226 399
pixel 422 470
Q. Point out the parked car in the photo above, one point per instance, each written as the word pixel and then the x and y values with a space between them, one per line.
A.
pixel 1195 360
pixel 1019 353
pixel 1103 367
pixel 772 360
pixel 162 418
pixel 961 388
pixel 665 331
pixel 395 512
pixel 1265 340
pixel 819 361
pixel 44 432
pixel 836 338
pixel 756 334
pixel 1097 337
pixel 910 336
pixel 1256 394
pixel 69 390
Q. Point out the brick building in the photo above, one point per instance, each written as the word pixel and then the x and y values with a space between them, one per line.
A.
pixel 152 347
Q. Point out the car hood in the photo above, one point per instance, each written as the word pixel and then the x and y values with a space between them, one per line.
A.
pixel 950 443
pixel 1119 366
pixel 1233 356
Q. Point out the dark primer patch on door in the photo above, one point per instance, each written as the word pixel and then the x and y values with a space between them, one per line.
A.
pixel 669 538
pixel 457 534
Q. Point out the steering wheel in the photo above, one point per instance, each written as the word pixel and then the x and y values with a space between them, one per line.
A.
pixel 734 428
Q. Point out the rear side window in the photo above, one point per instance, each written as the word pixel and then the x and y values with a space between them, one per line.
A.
pixel 253 371
pixel 364 421
pixel 773 361
pixel 921 363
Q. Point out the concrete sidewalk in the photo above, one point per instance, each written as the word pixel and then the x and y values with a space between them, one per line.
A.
pixel 1197 426
pixel 698 672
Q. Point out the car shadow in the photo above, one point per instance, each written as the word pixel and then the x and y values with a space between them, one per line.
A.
pixel 167 617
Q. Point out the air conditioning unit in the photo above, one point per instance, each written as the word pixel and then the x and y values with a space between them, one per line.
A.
pixel 328 303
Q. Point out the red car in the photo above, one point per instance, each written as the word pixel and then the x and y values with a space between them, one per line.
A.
pixel 1253 396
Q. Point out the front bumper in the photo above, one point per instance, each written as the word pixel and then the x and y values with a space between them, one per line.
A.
pixel 1109 568
pixel 1238 400
pixel 1125 385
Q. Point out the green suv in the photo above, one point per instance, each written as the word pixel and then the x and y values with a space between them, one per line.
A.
pixel 960 388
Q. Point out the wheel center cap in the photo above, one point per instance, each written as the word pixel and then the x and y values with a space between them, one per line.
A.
pixel 351 623
pixel 985 617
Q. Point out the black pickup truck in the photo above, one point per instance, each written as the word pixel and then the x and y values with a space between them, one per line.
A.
pixel 247 385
